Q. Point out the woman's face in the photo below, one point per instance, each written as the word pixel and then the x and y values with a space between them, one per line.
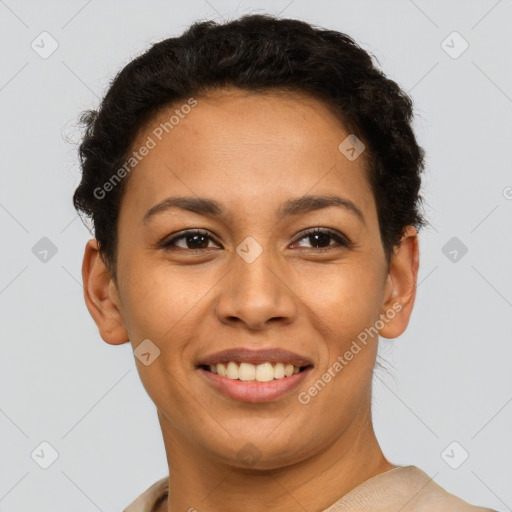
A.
pixel 254 279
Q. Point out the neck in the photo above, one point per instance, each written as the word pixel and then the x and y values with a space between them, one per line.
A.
pixel 202 483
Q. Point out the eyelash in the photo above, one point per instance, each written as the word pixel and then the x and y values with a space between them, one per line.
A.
pixel 342 241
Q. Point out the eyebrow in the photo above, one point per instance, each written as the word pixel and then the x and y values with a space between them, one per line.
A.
pixel 296 206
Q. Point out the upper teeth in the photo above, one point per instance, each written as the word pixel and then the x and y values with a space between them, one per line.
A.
pixel 264 372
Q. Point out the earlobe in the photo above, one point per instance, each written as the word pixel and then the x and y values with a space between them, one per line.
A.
pixel 101 297
pixel 401 285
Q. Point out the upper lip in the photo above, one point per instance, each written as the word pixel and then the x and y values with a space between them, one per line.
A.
pixel 246 355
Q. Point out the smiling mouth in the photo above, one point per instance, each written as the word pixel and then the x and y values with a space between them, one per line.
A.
pixel 264 372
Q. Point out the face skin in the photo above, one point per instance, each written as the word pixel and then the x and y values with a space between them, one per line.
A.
pixel 251 153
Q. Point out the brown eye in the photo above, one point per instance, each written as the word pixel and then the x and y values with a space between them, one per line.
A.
pixel 192 240
pixel 320 238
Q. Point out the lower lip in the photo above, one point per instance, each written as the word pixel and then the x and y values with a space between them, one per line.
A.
pixel 253 391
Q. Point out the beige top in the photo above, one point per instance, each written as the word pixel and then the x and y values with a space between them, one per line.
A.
pixel 404 488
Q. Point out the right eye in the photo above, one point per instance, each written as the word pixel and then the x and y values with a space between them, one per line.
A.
pixel 194 239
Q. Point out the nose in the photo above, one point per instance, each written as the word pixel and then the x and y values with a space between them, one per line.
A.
pixel 256 294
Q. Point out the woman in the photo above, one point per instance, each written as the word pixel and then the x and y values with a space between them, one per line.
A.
pixel 254 188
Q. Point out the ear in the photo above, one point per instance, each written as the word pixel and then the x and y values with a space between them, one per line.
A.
pixel 101 296
pixel 400 291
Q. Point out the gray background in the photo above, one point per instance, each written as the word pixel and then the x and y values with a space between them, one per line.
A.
pixel 450 378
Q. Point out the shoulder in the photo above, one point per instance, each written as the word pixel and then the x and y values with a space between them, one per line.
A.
pixel 152 495
pixel 430 496
pixel 404 488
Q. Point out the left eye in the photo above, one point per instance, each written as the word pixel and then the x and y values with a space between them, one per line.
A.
pixel 319 238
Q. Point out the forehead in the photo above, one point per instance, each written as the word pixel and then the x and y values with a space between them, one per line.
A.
pixel 243 146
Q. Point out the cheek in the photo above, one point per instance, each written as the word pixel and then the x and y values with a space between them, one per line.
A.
pixel 345 315
pixel 345 306
pixel 158 298
pixel 157 306
pixel 349 294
